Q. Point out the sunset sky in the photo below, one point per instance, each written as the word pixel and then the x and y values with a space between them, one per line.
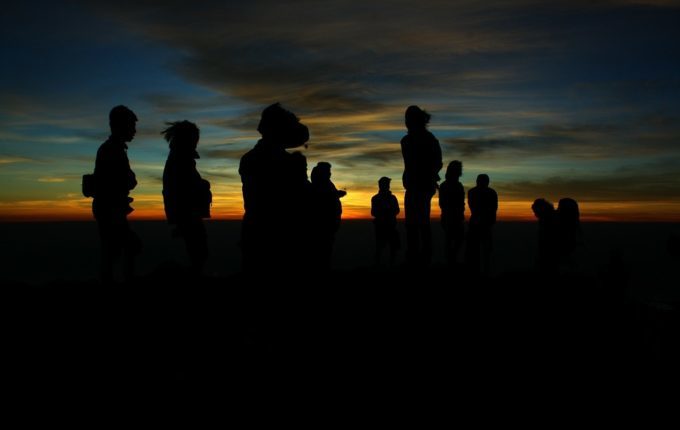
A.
pixel 552 99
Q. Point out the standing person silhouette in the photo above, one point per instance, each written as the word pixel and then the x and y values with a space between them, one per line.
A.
pixel 384 209
pixel 111 205
pixel 452 204
pixel 326 214
pixel 569 235
pixel 275 194
pixel 548 258
pixel 422 162
pixel 186 196
pixel 483 203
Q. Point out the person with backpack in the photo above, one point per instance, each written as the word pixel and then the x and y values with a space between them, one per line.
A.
pixel 114 179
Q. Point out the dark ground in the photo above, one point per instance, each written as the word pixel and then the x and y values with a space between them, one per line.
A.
pixel 373 332
pixel 398 331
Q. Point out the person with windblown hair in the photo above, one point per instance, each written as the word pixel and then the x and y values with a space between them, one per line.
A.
pixel 186 196
pixel 422 162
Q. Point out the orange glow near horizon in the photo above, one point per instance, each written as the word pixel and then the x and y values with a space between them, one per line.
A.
pixel 355 206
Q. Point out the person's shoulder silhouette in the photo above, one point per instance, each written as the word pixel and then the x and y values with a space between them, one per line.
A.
pixel 483 202
pixel 451 192
pixel 384 204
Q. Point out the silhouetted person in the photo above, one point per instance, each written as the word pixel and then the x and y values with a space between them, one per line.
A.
pixel 452 204
pixel 483 203
pixel 569 235
pixel 326 213
pixel 422 162
pixel 384 209
pixel 186 196
pixel 111 205
pixel 548 258
pixel 275 194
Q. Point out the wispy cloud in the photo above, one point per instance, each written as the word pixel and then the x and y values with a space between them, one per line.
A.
pixel 635 183
pixel 6 159
pixel 562 95
pixel 51 179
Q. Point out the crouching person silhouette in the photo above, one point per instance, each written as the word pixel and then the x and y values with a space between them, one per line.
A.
pixel 186 196
pixel 114 180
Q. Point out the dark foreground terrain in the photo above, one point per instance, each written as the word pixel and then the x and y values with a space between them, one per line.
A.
pixel 372 333
pixel 365 336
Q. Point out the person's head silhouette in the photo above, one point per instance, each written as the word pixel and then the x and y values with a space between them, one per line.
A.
pixel 282 127
pixel 483 180
pixel 416 119
pixel 123 123
pixel 454 170
pixel 542 208
pixel 321 172
pixel 182 136
pixel 568 211
pixel 384 183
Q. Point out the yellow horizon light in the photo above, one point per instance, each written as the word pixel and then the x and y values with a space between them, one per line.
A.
pixel 356 206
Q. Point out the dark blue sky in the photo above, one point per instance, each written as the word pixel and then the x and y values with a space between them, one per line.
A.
pixel 551 99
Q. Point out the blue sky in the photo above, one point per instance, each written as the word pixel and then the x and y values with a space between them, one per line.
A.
pixel 551 99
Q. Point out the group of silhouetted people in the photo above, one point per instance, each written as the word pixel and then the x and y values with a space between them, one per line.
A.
pixel 290 217
pixel 186 196
pixel 285 212
pixel 559 234
pixel 422 162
